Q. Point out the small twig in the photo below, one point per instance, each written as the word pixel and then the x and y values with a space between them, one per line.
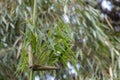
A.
pixel 40 67
pixel 108 22
pixel 19 50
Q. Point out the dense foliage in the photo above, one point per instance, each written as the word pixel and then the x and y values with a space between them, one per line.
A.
pixel 55 33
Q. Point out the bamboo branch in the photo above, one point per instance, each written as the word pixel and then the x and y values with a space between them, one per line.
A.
pixel 40 67
pixel 30 56
pixel 34 13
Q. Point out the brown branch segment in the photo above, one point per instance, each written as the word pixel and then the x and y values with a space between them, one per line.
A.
pixel 40 67
pixel 30 56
